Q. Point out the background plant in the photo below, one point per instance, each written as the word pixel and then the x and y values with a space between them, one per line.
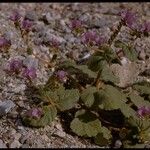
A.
pixel 102 110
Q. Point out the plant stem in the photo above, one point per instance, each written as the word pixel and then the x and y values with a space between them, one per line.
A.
pixel 115 33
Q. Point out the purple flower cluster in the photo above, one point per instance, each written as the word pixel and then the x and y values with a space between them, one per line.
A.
pixel 15 16
pixel 146 26
pixel 92 38
pixel 143 111
pixel 61 75
pixel 16 66
pixel 27 25
pixel 35 113
pixel 75 24
pixel 29 73
pixel 54 43
pixel 4 42
pixel 128 17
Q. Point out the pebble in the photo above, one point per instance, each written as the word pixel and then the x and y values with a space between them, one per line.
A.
pixel 30 61
pixel 2 144
pixel 31 15
pixel 118 144
pixel 60 134
pixel 20 88
pixel 17 136
pixel 142 55
pixel 6 106
pixel 15 144
pixel 25 146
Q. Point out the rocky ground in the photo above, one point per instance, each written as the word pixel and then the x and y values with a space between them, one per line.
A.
pixel 52 19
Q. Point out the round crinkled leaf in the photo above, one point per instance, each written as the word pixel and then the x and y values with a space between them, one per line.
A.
pixel 50 113
pixel 103 138
pixel 95 63
pixel 87 96
pixel 129 51
pixel 86 70
pixel 85 124
pixel 138 100
pixel 108 76
pixel 111 98
pixel 67 99
pixel 142 88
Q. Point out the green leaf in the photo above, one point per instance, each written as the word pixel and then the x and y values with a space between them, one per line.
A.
pixel 143 126
pixel 129 51
pixel 142 87
pixel 103 138
pixel 111 98
pixel 72 68
pixel 87 96
pixel 52 83
pixel 61 98
pixel 138 100
pixel 67 63
pixel 108 76
pixel 67 98
pixel 50 113
pixel 86 70
pixel 145 131
pixel 85 124
pixel 95 63
pixel 47 96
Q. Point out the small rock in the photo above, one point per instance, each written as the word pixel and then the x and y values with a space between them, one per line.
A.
pixel 118 144
pixel 30 61
pixel 31 16
pixel 48 17
pixel 23 139
pixel 126 73
pixel 17 136
pixel 20 88
pixel 15 144
pixel 59 127
pixel 142 55
pixel 6 106
pixel 2 144
pixel 25 146
pixel 60 134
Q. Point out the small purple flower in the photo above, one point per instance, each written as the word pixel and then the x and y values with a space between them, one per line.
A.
pixel 128 17
pixel 15 16
pixel 27 24
pixel 92 38
pixel 75 24
pixel 143 111
pixel 62 75
pixel 29 73
pixel 35 113
pixel 54 43
pixel 146 26
pixel 100 40
pixel 4 42
pixel 15 66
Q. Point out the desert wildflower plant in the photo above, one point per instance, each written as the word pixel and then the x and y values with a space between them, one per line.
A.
pixel 100 109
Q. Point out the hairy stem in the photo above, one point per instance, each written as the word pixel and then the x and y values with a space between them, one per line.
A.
pixel 115 33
